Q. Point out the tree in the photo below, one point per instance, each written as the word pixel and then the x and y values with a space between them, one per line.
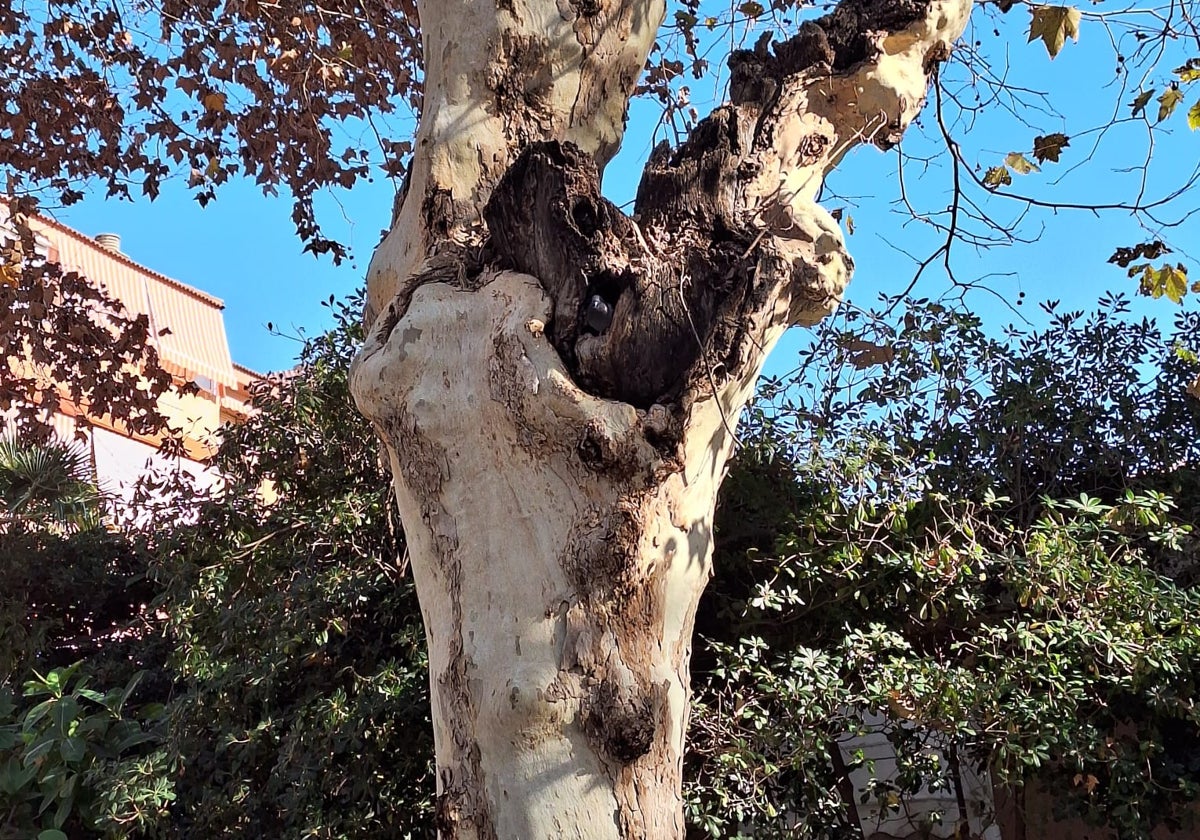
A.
pixel 876 552
pixel 556 383
pixel 46 485
pixel 557 397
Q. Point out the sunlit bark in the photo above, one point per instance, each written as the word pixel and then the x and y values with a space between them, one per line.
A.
pixel 557 383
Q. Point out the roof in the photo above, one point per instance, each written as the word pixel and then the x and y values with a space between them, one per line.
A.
pixel 250 372
pixel 123 258
pixel 196 345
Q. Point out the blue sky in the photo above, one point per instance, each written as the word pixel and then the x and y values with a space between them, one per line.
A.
pixel 242 247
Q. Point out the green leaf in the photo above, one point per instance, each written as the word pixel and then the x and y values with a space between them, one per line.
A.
pixel 685 20
pixel 9 737
pixel 36 714
pixel 39 751
pixel 52 834
pixel 1185 354
pixel 1020 164
pixel 1049 146
pixel 14 776
pixel 1194 116
pixel 1141 101
pixel 72 750
pixel 115 700
pixel 997 176
pixel 1171 97
pixel 1054 24
pixel 63 715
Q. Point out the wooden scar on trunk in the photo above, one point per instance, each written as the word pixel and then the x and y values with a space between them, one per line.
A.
pixel 630 321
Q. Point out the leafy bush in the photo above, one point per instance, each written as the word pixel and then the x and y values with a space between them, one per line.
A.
pixel 976 548
pixel 890 547
pixel 71 760
pixel 296 635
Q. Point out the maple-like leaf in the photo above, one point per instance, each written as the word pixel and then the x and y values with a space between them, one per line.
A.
pixel 1144 251
pixel 865 354
pixel 997 176
pixel 1189 72
pixel 1054 24
pixel 1170 281
pixel 1171 97
pixel 1049 147
pixel 214 102
pixel 1194 116
pixel 1020 164
pixel 1141 101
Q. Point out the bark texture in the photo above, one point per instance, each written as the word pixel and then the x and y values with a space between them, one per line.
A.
pixel 557 383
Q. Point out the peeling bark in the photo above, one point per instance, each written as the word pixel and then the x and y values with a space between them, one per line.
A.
pixel 557 383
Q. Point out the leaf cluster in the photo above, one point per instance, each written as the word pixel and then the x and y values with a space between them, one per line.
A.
pixel 68 344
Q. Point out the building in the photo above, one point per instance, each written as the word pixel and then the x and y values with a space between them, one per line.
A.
pixel 192 346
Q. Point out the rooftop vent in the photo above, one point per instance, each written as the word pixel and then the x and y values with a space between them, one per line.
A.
pixel 111 241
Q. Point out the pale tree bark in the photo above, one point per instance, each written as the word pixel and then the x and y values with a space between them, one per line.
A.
pixel 557 383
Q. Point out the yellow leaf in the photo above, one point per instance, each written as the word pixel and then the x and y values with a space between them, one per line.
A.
pixel 1189 72
pixel 1020 164
pixel 214 102
pixel 1175 283
pixel 1054 24
pixel 1194 116
pixel 1171 97
pixel 1170 281
pixel 997 176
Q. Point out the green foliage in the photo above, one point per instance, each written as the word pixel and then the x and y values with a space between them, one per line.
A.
pixel 891 556
pixel 297 638
pixel 74 596
pixel 71 757
pixel 972 545
pixel 73 760
pixel 46 485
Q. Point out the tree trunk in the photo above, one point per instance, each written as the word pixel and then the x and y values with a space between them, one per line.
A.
pixel 557 383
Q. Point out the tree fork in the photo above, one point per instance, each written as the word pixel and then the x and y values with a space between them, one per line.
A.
pixel 557 384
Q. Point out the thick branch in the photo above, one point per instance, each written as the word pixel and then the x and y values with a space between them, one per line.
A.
pixel 727 243
pixel 498 76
